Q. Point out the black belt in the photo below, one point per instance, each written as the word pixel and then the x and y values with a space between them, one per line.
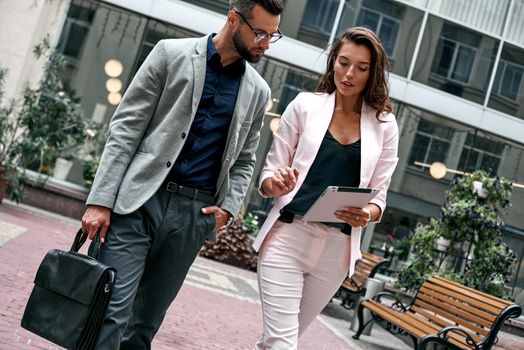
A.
pixel 288 216
pixel 192 193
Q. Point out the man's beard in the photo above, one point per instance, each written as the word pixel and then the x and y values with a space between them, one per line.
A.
pixel 242 49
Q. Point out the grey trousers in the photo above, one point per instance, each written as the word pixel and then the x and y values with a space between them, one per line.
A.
pixel 152 250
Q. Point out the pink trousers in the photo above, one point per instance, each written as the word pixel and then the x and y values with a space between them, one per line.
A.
pixel 300 267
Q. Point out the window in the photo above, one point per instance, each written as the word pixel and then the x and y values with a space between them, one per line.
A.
pixel 432 143
pixel 481 153
pixel 295 83
pixel 76 28
pixel 454 60
pixel 156 31
pixel 320 15
pixel 508 79
pixel 386 27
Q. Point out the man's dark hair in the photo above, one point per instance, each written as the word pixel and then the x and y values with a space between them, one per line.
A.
pixel 245 7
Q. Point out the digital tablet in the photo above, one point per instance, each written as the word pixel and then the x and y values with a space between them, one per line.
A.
pixel 337 197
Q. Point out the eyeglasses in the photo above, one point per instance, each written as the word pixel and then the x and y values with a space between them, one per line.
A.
pixel 260 34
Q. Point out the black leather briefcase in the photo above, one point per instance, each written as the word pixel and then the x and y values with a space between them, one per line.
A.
pixel 70 297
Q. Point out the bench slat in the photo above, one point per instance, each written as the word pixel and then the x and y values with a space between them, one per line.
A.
pixel 455 293
pixel 411 323
pixel 395 317
pixel 444 313
pixel 349 285
pixel 466 311
pixel 458 337
pixel 498 303
pixel 372 257
pixel 444 323
pixel 431 317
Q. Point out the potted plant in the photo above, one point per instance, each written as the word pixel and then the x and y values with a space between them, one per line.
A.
pixel 53 121
pixel 38 127
pixel 11 179
pixel 91 150
pixel 476 255
pixel 442 244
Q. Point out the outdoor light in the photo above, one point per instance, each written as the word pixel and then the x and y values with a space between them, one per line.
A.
pixel 113 68
pixel 114 98
pixel 269 105
pixel 113 85
pixel 273 124
pixel 438 170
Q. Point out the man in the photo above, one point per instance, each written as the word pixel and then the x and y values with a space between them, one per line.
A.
pixel 177 164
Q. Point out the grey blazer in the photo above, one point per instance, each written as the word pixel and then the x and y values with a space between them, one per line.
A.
pixel 149 128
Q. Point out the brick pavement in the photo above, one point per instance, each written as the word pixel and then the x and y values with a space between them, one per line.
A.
pixel 216 309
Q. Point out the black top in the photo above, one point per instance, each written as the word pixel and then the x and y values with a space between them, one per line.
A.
pixel 335 165
pixel 200 160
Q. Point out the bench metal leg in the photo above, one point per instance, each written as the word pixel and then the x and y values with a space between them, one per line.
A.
pixel 415 342
pixel 361 324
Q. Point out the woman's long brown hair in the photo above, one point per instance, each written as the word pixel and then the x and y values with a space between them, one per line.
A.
pixel 376 92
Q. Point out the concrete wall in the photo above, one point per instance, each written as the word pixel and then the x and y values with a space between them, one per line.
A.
pixel 23 24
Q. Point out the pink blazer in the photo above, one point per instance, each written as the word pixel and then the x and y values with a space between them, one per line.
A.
pixel 297 141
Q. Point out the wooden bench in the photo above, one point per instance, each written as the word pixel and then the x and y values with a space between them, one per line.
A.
pixel 443 312
pixel 353 287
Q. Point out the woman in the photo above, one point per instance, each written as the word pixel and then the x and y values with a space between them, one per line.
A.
pixel 343 135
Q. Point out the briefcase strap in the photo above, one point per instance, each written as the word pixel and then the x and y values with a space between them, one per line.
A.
pixel 79 241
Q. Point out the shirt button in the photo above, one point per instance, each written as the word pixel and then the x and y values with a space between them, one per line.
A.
pixel 183 135
pixel 168 164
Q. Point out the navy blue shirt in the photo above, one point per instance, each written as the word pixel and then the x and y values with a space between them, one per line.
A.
pixel 200 160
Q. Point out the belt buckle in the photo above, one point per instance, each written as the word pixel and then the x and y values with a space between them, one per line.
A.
pixel 173 187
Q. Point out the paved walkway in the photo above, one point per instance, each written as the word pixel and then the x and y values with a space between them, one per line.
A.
pixel 217 308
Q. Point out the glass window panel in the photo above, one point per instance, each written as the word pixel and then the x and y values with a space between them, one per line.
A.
pixel 295 83
pixel 462 68
pixel 75 40
pixel 76 28
pixel 418 152
pixel 511 80
pixel 388 34
pixel 384 26
pixel 317 21
pixel 432 143
pixel 438 150
pixel 490 163
pixel 157 31
pixel 369 18
pixel 507 94
pixel 455 59
pixel 481 153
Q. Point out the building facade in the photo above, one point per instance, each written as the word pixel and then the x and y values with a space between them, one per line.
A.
pixel 457 80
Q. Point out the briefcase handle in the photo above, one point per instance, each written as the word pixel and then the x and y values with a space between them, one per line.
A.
pixel 79 241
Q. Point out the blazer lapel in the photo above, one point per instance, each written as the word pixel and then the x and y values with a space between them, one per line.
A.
pixel 368 142
pixel 244 98
pixel 318 119
pixel 199 73
pixel 245 95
